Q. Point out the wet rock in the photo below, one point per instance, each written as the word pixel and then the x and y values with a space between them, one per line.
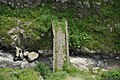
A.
pixel 45 52
pixel 97 5
pixel 80 4
pixel 32 56
pixel 86 4
pixel 41 78
pixel 82 62
pixel 97 70
pixel 11 31
pixel 86 50
pixel 26 53
pixel 105 56
pixel 24 64
pixel 117 57
pixel 16 30
pixel 40 51
pixel 19 54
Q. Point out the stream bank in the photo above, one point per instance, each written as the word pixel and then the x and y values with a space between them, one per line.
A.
pixel 84 62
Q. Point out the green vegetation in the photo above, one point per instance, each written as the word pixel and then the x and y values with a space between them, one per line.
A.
pixel 17 74
pixel 68 73
pixel 43 69
pixel 109 75
pixel 97 29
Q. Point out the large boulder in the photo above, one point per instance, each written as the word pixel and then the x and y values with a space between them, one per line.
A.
pixel 31 55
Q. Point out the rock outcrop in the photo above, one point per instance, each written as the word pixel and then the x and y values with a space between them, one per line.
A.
pixel 30 56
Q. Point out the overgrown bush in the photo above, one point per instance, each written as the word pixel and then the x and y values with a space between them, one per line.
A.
pixel 17 74
pixel 43 69
pixel 7 76
pixel 109 75
pixel 57 76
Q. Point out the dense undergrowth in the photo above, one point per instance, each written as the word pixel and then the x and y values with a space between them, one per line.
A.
pixel 68 73
pixel 95 28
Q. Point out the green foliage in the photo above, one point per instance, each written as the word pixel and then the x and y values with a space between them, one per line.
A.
pixel 6 76
pixel 82 39
pixel 57 76
pixel 112 74
pixel 91 29
pixel 109 75
pixel 17 74
pixel 27 74
pixel 43 69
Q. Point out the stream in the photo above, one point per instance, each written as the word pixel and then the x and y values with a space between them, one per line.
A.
pixel 85 62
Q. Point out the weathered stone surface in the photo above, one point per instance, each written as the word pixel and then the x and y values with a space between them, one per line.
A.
pixel 32 56
pixel 83 62
pixel 45 52
pixel 80 4
pixel 86 4
pixel 60 45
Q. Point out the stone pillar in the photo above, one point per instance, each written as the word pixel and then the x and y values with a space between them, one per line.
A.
pixel 60 44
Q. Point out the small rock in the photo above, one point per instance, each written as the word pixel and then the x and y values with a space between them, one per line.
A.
pixel 26 53
pixel 104 70
pixel 80 4
pixel 105 56
pixel 95 70
pixel 118 57
pixel 40 51
pixel 86 50
pixel 11 31
pixel 43 4
pixel 2 66
pixel 97 5
pixel 86 4
pixel 63 1
pixel 18 21
pixel 24 64
pixel 40 78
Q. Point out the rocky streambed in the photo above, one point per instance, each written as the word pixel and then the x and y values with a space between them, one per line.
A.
pixel 87 63
pixel 84 62
pixel 7 60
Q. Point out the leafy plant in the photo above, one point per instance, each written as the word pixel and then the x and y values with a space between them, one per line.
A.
pixel 43 69
pixel 112 74
pixel 17 74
